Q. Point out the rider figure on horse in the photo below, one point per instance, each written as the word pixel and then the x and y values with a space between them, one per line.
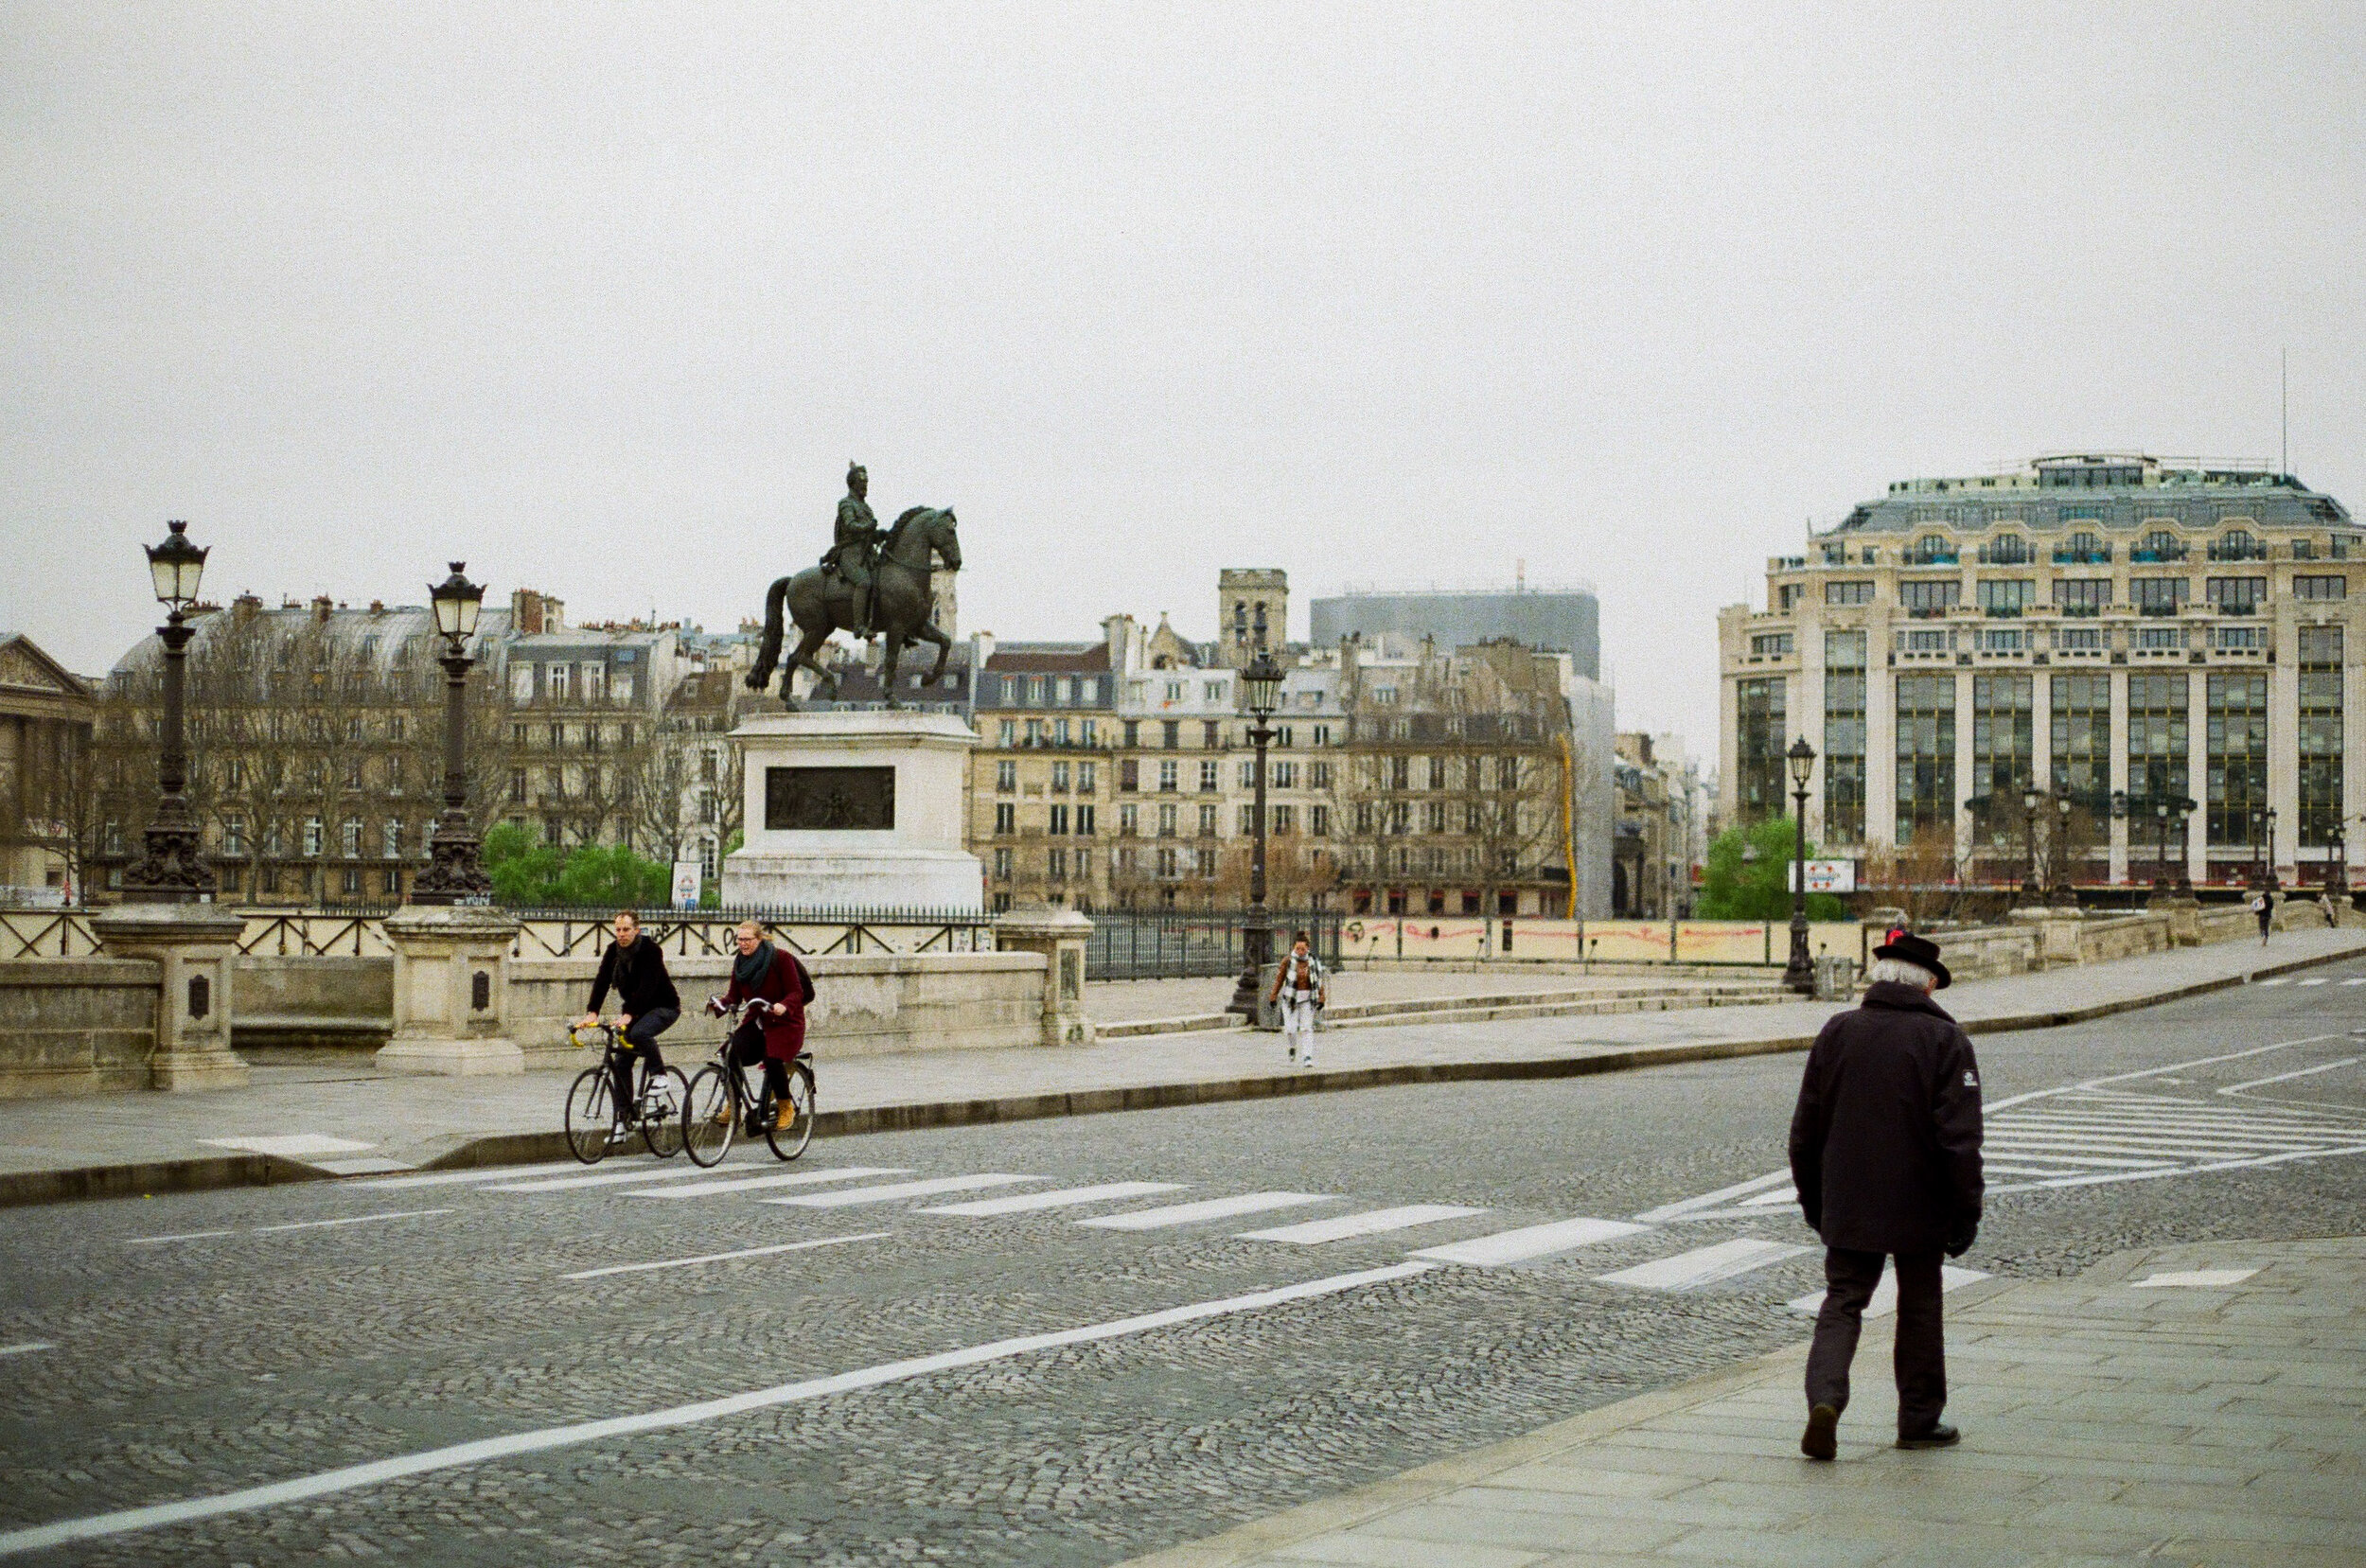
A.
pixel 855 553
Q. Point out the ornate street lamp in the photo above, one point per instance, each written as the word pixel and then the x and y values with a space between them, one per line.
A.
pixel 2030 896
pixel 171 870
pixel 2337 862
pixel 2161 851
pixel 455 873
pixel 2063 896
pixel 2271 850
pixel 1262 681
pixel 1799 975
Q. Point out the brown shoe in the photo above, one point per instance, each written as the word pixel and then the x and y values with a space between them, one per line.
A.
pixel 1819 1441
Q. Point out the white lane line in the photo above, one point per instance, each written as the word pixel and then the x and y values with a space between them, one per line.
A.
pixel 1704 1265
pixel 2280 980
pixel 725 1257
pixel 1518 1246
pixel 2286 1077
pixel 786 1178
pixel 177 1236
pixel 2318 981
pixel 350 1477
pixel 27 1347
pixel 2356 979
pixel 1786 1194
pixel 482 1173
pixel 893 1190
pixel 1371 1221
pixel 650 1173
pixel 353 1219
pixel 1709 1200
pixel 1884 1299
pixel 1211 1208
pixel 2192 1280
pixel 2086 1085
pixel 1067 1197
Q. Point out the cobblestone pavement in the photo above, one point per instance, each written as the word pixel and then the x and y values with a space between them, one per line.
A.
pixel 179 1349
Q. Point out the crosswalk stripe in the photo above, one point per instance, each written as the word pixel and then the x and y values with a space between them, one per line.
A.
pixel 726 1257
pixel 1529 1242
pixel 2173 1143
pixel 2320 980
pixel 1885 1294
pixel 2049 1152
pixel 2280 980
pixel 783 1178
pixel 1704 1265
pixel 482 1173
pixel 2356 979
pixel 1211 1208
pixel 1373 1222
pixel 1067 1197
pixel 606 1178
pixel 893 1190
pixel 27 1347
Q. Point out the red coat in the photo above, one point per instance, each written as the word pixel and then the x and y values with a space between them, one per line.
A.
pixel 785 981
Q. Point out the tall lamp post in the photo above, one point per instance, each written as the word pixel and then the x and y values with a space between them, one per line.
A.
pixel 454 873
pixel 2161 849
pixel 1263 682
pixel 2030 896
pixel 171 870
pixel 2063 896
pixel 2337 862
pixel 1799 975
pixel 2271 850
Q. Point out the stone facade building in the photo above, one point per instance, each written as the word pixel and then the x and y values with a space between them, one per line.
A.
pixel 2121 631
pixel 46 716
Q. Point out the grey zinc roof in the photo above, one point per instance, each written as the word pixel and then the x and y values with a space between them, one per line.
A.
pixel 2192 498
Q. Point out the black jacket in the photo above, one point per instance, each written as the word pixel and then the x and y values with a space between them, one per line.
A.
pixel 1885 1142
pixel 642 983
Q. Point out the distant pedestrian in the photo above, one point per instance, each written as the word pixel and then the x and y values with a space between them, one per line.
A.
pixel 1885 1154
pixel 2265 909
pixel 1302 988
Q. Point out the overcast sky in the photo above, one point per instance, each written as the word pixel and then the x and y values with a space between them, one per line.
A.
pixel 603 298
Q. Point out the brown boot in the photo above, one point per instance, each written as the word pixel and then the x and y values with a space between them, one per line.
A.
pixel 1819 1441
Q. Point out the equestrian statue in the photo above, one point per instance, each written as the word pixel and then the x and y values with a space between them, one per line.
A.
pixel 868 584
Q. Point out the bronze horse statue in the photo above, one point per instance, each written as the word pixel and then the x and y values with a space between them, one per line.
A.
pixel 821 603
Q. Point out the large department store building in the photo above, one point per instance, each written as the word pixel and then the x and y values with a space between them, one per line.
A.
pixel 2122 630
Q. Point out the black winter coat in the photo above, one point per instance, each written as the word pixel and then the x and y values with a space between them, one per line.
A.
pixel 1885 1142
pixel 639 975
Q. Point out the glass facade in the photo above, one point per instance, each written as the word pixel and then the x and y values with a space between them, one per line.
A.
pixel 2320 733
pixel 2082 737
pixel 2238 755
pixel 2003 752
pixel 1844 737
pixel 1763 726
pixel 1926 754
pixel 2159 730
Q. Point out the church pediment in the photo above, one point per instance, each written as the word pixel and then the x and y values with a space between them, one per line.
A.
pixel 25 668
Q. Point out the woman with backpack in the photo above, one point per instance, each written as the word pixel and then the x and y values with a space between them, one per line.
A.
pixel 776 987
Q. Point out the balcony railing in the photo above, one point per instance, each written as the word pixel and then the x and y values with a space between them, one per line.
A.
pixel 2083 557
pixel 2158 608
pixel 1934 558
pixel 2088 610
pixel 2001 612
pixel 2257 552
pixel 2154 557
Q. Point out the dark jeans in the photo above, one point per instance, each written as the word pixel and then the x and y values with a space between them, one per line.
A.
pixel 1920 1358
pixel 640 1041
pixel 747 1049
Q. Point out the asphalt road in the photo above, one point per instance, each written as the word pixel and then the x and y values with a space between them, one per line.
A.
pixel 1023 1386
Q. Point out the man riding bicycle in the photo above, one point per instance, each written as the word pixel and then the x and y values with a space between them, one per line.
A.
pixel 776 987
pixel 647 1006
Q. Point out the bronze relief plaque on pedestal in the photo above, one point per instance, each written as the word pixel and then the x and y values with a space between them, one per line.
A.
pixel 824 799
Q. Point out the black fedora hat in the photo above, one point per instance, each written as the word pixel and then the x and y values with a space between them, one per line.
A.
pixel 1919 951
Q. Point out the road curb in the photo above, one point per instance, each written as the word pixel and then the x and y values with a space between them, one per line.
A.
pixel 22 1188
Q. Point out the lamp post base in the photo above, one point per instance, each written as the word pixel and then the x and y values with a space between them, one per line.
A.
pixel 1799 973
pixel 1256 953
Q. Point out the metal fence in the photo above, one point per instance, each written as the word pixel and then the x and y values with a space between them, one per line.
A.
pixel 1129 945
pixel 568 933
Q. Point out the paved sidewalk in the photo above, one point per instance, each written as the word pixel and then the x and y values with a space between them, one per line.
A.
pixel 2105 1420
pixel 129 1143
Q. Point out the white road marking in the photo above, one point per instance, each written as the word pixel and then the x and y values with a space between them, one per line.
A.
pixel 2356 979
pixel 2280 980
pixel 482 1173
pixel 1786 1194
pixel 1704 1265
pixel 1373 1222
pixel 352 1219
pixel 1884 1299
pixel 1067 1197
pixel 784 1178
pixel 1709 1200
pixel 293 1145
pixel 649 1173
pixel 26 1348
pixel 1518 1246
pixel 2193 1279
pixel 1211 1208
pixel 351 1477
pixel 725 1257
pixel 901 1189
pixel 2284 1077
pixel 177 1236
pixel 2178 1171
pixel 2317 981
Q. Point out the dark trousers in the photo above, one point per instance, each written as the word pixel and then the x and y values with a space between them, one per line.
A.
pixel 640 1041
pixel 1920 1358
pixel 747 1049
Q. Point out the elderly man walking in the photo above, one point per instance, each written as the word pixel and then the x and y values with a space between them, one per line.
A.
pixel 1885 1153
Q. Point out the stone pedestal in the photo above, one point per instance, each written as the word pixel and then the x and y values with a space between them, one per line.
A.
pixel 451 992
pixel 852 811
pixel 195 948
pixel 1059 936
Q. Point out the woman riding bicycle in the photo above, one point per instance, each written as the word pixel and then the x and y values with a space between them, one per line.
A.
pixel 777 988
pixel 647 1006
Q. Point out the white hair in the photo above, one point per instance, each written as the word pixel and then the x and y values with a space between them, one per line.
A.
pixel 1898 971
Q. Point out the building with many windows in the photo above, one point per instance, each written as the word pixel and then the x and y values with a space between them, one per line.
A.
pixel 2121 633
pixel 46 715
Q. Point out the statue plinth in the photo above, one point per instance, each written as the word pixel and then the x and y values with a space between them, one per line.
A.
pixel 853 810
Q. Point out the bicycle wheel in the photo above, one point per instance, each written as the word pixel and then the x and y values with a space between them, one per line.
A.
pixel 590 1115
pixel 710 1119
pixel 792 1126
pixel 662 1101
